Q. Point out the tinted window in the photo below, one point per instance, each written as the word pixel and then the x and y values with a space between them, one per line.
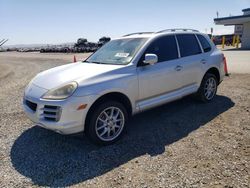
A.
pixel 204 43
pixel 188 45
pixel 165 48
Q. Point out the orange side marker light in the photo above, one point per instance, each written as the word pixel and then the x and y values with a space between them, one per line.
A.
pixel 82 106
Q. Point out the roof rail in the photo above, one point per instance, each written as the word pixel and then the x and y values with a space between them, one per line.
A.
pixel 138 33
pixel 177 29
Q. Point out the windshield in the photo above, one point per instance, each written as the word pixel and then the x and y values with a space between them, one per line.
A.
pixel 120 51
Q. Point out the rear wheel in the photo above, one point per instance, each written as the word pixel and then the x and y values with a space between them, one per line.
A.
pixel 208 88
pixel 107 122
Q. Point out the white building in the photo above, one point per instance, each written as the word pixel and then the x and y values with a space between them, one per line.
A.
pixel 239 20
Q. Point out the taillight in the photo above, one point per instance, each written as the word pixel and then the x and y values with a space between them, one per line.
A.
pixel 225 65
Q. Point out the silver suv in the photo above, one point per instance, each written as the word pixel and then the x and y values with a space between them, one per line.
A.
pixel 126 76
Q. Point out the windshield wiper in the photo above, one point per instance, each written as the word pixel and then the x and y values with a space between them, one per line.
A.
pixel 94 62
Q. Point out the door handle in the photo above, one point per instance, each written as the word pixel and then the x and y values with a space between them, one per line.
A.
pixel 203 61
pixel 178 68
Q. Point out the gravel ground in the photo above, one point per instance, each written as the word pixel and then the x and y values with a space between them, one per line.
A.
pixel 181 144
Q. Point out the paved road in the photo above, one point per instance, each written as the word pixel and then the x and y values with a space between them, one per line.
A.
pixel 238 60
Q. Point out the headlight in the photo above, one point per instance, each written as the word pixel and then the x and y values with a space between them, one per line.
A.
pixel 62 92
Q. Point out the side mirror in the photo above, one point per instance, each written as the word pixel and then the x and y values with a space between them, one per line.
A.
pixel 150 59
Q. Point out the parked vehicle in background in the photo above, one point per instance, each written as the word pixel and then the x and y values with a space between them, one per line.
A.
pixel 217 39
pixel 81 45
pixel 28 50
pixel 56 49
pixel 126 76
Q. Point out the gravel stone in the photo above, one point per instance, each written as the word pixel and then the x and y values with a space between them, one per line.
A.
pixel 181 144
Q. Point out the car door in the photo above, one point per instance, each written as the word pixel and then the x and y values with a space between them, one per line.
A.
pixel 191 60
pixel 160 78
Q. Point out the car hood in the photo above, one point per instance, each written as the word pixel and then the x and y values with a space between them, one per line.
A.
pixel 64 74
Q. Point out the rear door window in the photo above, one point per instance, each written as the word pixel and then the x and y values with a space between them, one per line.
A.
pixel 204 43
pixel 188 45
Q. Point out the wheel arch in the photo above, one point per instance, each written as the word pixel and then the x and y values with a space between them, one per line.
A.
pixel 214 71
pixel 115 96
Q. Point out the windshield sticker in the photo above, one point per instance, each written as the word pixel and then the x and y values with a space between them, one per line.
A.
pixel 121 54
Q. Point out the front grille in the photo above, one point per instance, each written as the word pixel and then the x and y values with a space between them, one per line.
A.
pixel 51 113
pixel 31 105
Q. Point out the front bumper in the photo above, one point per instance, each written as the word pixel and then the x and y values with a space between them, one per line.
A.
pixel 69 120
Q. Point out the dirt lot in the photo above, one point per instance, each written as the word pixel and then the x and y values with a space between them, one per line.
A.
pixel 182 144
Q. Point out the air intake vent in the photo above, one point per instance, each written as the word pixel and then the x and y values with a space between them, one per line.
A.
pixel 31 105
pixel 51 113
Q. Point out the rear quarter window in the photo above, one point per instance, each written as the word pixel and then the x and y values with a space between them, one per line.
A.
pixel 188 45
pixel 204 43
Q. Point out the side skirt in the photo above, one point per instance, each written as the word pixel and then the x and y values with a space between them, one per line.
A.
pixel 158 100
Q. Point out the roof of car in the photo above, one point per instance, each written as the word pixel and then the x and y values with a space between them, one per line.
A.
pixel 163 32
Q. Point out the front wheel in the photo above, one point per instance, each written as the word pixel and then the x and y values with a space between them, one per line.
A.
pixel 208 88
pixel 107 122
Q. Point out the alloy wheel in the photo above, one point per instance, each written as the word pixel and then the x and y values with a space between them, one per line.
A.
pixel 109 123
pixel 210 88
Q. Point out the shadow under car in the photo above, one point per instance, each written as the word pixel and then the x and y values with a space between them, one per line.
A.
pixel 50 159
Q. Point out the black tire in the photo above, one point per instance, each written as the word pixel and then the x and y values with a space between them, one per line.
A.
pixel 201 94
pixel 91 124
